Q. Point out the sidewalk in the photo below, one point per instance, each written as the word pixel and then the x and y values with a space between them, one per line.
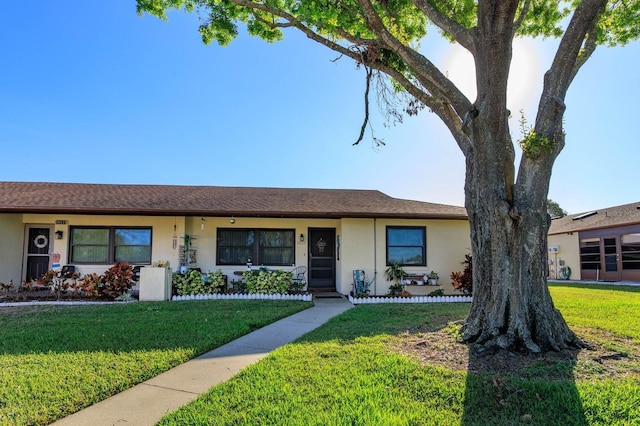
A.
pixel 147 402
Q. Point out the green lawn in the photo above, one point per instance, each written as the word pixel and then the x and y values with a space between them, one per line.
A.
pixel 349 372
pixel 55 361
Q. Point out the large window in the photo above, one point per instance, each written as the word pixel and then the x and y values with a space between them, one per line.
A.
pixel 407 245
pixel 106 245
pixel 259 246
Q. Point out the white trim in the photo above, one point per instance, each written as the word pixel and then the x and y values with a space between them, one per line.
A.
pixel 413 299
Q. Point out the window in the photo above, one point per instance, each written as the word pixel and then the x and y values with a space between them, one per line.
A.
pixel 590 254
pixel 106 245
pixel 260 246
pixel 630 247
pixel 406 245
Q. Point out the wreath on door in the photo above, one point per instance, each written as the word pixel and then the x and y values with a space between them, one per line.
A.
pixel 41 241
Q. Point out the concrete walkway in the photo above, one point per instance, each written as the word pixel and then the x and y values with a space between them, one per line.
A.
pixel 147 402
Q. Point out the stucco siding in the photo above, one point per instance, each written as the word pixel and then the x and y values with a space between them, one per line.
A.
pixel 357 251
pixel 447 243
pixel 568 251
pixel 11 248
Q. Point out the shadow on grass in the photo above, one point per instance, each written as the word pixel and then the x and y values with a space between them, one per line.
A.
pixel 501 388
pixel 508 389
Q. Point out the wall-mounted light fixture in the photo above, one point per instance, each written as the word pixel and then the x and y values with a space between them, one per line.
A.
pixel 302 238
pixel 59 235
pixel 202 221
pixel 232 220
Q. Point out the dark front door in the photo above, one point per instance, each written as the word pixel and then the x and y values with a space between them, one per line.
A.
pixel 322 259
pixel 38 244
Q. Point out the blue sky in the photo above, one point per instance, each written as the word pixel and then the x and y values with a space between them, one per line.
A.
pixel 92 92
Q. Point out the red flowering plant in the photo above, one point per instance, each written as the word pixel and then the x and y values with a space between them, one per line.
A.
pixel 463 281
pixel 116 280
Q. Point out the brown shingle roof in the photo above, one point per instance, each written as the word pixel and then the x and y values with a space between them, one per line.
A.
pixel 627 214
pixel 162 200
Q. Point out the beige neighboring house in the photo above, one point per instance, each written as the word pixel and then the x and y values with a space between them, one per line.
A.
pixel 330 231
pixel 601 244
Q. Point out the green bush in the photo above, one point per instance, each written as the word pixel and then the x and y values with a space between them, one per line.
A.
pixel 194 282
pixel 266 281
pixel 238 286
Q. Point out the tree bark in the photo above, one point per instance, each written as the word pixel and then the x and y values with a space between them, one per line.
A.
pixel 511 307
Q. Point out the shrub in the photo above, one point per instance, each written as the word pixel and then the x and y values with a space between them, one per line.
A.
pixel 266 281
pixel 188 283
pixel 463 281
pixel 116 280
pixel 216 280
pixel 238 286
pixel 89 285
pixel 57 284
pixel 194 282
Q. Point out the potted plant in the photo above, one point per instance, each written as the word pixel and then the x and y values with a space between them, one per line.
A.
pixel 433 278
pixel 396 274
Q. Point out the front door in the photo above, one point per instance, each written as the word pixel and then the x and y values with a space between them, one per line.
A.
pixel 38 244
pixel 322 260
pixel 611 259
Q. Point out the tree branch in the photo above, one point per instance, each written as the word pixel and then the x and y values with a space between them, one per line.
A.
pixel 588 49
pixel 523 14
pixel 442 109
pixel 273 24
pixel 292 21
pixel 366 105
pixel 428 74
pixel 460 34
pixel 583 24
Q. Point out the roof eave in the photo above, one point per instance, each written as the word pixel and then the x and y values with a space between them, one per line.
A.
pixel 224 213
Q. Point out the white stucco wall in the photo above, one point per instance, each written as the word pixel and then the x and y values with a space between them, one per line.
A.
pixel 568 250
pixel 447 243
pixel 357 251
pixel 11 248
pixel 162 234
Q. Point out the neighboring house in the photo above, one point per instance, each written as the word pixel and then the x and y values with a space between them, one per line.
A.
pixel 602 244
pixel 330 231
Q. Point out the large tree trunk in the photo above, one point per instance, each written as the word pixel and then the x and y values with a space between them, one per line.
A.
pixel 512 307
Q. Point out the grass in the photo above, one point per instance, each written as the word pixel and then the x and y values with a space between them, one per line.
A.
pixel 349 372
pixel 603 307
pixel 55 361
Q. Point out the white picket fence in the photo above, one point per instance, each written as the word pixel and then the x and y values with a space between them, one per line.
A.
pixel 413 299
pixel 307 297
